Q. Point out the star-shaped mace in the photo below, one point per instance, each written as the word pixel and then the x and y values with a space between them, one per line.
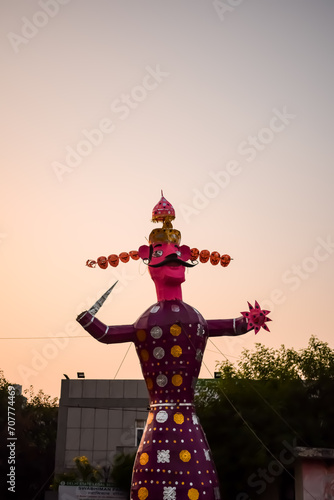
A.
pixel 256 317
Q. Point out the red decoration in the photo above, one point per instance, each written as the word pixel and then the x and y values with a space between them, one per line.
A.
pixel 113 260
pixel 102 262
pixel 204 256
pixel 91 263
pixel 215 258
pixel 225 260
pixel 194 253
pixel 124 257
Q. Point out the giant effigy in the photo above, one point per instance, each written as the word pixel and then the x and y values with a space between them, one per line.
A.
pixel 173 460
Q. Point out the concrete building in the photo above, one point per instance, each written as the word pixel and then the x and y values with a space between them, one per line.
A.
pixel 98 419
pixel 314 473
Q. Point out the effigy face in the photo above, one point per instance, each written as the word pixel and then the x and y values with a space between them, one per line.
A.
pixel 167 262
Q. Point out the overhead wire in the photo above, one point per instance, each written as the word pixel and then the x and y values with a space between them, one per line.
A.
pixel 266 402
pixel 128 349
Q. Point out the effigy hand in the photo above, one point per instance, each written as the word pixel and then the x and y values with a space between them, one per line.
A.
pixel 81 315
pixel 256 317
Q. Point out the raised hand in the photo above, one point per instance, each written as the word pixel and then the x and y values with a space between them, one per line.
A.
pixel 256 317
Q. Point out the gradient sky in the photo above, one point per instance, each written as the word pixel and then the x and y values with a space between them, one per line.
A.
pixel 228 109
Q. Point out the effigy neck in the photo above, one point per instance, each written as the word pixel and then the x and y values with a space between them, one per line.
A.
pixel 168 292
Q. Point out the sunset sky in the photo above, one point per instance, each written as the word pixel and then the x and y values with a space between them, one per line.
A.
pixel 226 106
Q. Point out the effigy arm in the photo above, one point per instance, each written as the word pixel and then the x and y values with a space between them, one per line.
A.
pixel 254 319
pixel 104 333
pixel 227 327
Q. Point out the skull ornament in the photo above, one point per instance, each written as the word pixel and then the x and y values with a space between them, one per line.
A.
pixel 194 253
pixel 215 258
pixel 102 262
pixel 204 256
pixel 225 260
pixel 134 254
pixel 113 260
pixel 124 257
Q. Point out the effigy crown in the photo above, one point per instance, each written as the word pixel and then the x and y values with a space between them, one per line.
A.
pixel 165 213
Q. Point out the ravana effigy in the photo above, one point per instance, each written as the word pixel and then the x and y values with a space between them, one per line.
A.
pixel 173 460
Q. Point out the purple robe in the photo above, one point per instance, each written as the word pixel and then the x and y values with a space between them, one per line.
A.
pixel 173 460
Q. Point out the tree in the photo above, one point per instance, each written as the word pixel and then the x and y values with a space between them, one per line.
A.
pixel 35 430
pixel 270 402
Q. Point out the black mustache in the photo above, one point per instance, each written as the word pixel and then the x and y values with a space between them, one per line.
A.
pixel 172 258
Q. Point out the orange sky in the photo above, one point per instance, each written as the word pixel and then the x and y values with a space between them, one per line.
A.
pixel 105 104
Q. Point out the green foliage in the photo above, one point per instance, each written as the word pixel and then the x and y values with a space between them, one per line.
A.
pixel 40 400
pixel 84 472
pixel 35 430
pixel 313 362
pixel 87 472
pixel 271 401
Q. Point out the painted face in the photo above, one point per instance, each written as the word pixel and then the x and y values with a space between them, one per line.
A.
pixel 167 262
